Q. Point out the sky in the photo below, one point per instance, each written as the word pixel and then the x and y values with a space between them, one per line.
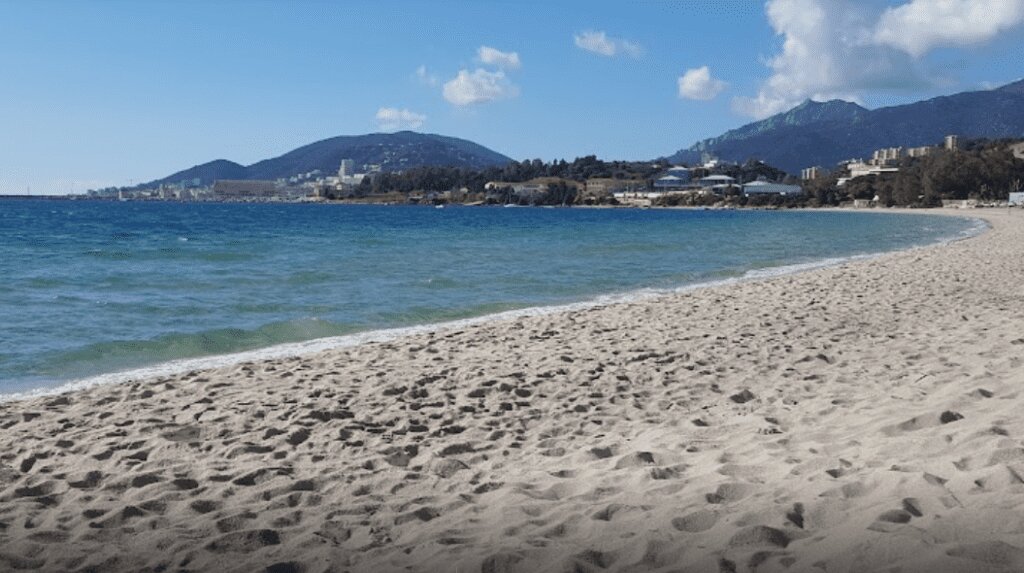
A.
pixel 97 93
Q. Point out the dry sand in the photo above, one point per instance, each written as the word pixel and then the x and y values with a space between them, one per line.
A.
pixel 866 417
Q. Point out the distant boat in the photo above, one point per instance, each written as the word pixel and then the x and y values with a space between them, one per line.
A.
pixel 511 205
pixel 439 206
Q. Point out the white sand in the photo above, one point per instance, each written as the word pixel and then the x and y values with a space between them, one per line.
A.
pixel 867 417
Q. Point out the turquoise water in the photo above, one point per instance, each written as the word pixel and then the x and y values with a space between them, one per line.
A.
pixel 91 288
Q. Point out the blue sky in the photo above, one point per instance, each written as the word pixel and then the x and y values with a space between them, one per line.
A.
pixel 97 93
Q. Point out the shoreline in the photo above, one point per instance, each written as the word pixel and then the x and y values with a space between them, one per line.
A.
pixel 310 347
pixel 859 417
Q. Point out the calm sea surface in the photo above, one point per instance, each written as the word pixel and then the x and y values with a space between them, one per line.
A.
pixel 89 288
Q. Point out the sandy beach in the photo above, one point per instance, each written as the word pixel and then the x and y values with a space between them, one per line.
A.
pixel 864 417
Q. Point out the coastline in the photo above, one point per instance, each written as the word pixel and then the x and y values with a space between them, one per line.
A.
pixel 853 417
pixel 307 348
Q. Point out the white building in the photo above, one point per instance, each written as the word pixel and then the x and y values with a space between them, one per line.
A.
pixel 680 172
pixel 768 188
pixel 671 183
pixel 1017 198
pixel 861 169
pixel 346 169
pixel 716 180
pixel 810 173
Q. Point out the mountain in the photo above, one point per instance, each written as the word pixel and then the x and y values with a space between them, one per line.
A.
pixel 392 151
pixel 207 172
pixel 824 133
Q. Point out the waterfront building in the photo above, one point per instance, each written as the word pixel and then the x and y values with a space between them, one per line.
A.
pixel 671 183
pixel 718 183
pixel 769 188
pixel 679 172
pixel 861 169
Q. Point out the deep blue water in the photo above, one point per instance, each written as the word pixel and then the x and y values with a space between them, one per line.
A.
pixel 90 288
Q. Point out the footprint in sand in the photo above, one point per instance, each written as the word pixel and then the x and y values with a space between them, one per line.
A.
pixel 244 541
pixel 996 553
pixel 700 520
pixel 759 535
pixel 730 492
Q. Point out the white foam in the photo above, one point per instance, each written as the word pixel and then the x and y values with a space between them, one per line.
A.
pixel 299 349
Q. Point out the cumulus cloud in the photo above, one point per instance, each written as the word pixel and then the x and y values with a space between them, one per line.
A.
pixel 844 48
pixel 921 25
pixel 495 57
pixel 478 86
pixel 391 118
pixel 827 53
pixel 426 78
pixel 602 44
pixel 698 84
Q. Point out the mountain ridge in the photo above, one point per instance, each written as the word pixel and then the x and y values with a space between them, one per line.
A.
pixel 392 151
pixel 824 133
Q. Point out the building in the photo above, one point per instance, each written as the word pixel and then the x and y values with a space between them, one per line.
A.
pixel 887 156
pixel 1017 198
pixel 952 142
pixel 679 172
pixel 671 183
pixel 346 169
pixel 810 173
pixel 242 189
pixel 920 151
pixel 716 180
pixel 675 179
pixel 717 183
pixel 769 188
pixel 861 169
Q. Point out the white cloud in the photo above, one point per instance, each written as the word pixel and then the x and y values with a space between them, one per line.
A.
pixel 921 25
pixel 494 57
pixel 596 42
pixel 827 53
pixel 845 48
pixel 426 78
pixel 605 45
pixel 479 86
pixel 631 48
pixel 698 84
pixel 391 118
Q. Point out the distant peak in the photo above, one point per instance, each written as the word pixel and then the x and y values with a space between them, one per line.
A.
pixel 827 103
pixel 812 111
pixel 1016 87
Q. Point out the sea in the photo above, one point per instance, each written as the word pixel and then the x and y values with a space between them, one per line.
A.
pixel 94 292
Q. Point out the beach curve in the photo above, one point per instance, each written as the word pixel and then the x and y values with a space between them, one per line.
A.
pixel 848 418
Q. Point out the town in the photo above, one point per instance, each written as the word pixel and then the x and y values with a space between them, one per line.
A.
pixel 859 183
